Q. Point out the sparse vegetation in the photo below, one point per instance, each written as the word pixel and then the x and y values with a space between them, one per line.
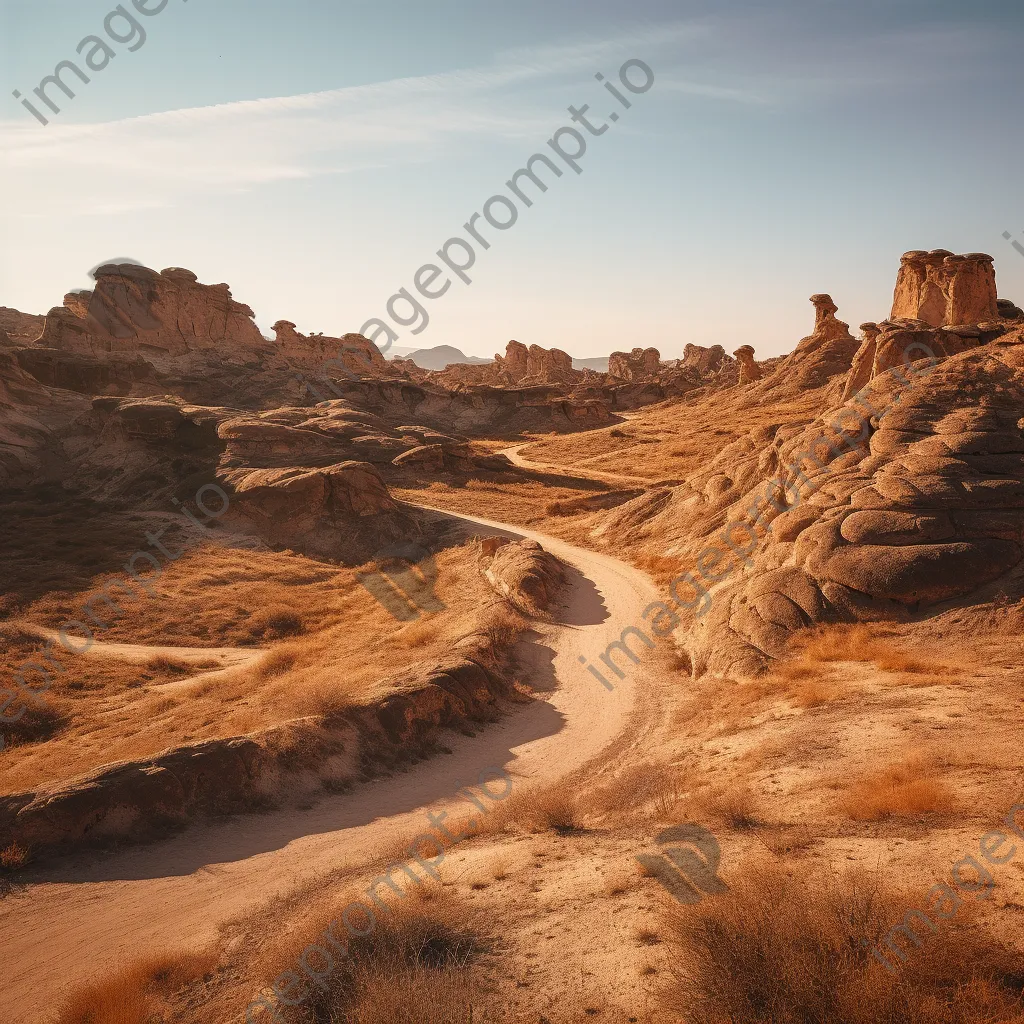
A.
pixel 783 948
pixel 14 856
pixel 134 992
pixel 902 789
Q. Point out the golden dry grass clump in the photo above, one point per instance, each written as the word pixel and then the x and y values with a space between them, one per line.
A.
pixel 413 968
pixel 540 809
pixel 136 991
pixel 781 948
pixel 905 788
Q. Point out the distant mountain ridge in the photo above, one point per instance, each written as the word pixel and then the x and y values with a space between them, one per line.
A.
pixel 440 356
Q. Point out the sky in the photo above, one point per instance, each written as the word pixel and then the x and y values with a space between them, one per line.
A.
pixel 315 154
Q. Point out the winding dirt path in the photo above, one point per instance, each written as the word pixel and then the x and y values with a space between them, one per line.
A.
pixel 85 916
pixel 515 456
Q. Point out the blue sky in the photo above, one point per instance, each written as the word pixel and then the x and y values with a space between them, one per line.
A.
pixel 315 154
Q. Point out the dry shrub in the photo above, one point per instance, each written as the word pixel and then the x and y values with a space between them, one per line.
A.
pixel 857 643
pixel 418 952
pixel 623 878
pixel 837 643
pixel 566 508
pixel 277 662
pixel 779 949
pixel 640 790
pixel 14 856
pixel 806 683
pixel 902 789
pixel 276 622
pixel 536 810
pixel 646 935
pixel 812 693
pixel 41 720
pixel 161 663
pixel 418 995
pixel 736 805
pixel 132 993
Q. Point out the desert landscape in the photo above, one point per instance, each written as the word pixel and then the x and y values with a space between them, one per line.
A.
pixel 674 683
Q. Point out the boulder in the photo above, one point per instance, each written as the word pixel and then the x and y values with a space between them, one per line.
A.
pixel 427 456
pixel 342 511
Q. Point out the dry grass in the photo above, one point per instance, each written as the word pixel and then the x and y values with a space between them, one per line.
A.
pixel 536 810
pixel 14 857
pixel 808 683
pixel 860 642
pixel 412 968
pixel 137 990
pixel 735 804
pixel 101 709
pixel 905 789
pixel 785 949
pixel 640 792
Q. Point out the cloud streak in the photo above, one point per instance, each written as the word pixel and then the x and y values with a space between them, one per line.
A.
pixel 159 159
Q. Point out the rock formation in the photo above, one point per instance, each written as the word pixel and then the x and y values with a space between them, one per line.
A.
pixel 533 365
pixel 522 572
pixel 30 416
pixel 705 361
pixel 749 371
pixel 135 311
pixel 350 354
pixel 827 351
pixel 904 494
pixel 943 289
pixel 636 365
pixel 21 328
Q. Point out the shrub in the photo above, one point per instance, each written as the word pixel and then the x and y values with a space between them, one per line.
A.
pixel 14 856
pixel 901 789
pixel 778 949
pixel 41 721
pixel 276 622
pixel 131 994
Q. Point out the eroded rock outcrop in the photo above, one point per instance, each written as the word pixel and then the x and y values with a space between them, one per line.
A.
pixel 903 497
pixel 705 361
pixel 31 414
pixel 134 311
pixel 522 572
pixel 943 289
pixel 341 511
pixel 884 517
pixel 827 351
pixel 749 371
pixel 533 365
pixel 351 353
pixel 636 365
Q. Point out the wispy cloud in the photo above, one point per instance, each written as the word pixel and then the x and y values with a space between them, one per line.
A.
pixel 157 159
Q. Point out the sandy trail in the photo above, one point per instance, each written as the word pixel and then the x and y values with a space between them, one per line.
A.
pixel 84 916
pixel 515 456
pixel 140 654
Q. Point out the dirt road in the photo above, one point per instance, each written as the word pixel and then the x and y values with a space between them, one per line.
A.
pixel 515 456
pixel 84 916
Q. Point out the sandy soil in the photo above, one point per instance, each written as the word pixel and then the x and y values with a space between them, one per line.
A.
pixel 82 917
